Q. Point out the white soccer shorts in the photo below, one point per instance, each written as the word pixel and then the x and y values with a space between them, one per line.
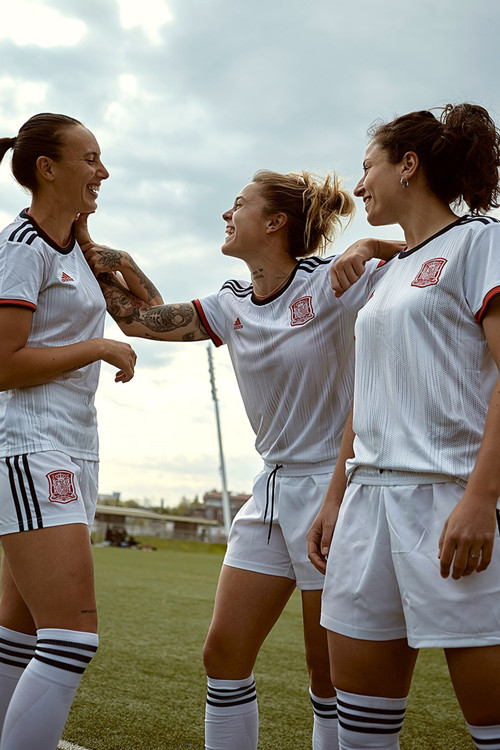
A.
pixel 46 489
pixel 274 543
pixel 383 580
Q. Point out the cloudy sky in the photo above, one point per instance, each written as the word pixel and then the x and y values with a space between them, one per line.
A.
pixel 188 98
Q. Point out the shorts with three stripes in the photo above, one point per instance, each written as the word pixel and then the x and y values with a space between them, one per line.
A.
pixel 44 489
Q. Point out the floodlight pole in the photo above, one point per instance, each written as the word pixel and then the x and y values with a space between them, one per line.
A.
pixel 226 508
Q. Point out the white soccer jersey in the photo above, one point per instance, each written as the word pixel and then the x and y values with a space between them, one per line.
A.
pixel 58 285
pixel 292 354
pixel 424 373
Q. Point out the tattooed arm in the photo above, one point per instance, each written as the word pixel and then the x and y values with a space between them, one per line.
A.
pixel 104 259
pixel 135 317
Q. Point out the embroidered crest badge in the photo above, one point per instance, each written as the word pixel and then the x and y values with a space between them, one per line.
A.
pixel 301 311
pixel 61 486
pixel 430 272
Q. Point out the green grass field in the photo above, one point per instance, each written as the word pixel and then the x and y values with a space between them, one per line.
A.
pixel 145 689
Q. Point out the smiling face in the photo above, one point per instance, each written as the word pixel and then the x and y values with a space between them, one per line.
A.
pixel 380 187
pixel 78 172
pixel 246 223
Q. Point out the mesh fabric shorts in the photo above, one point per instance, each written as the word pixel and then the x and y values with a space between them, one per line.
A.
pixel 383 581
pixel 274 542
pixel 46 489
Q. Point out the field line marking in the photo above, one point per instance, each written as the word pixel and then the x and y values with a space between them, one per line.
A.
pixel 63 745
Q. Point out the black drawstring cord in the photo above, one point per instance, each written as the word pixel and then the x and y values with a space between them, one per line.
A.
pixel 271 478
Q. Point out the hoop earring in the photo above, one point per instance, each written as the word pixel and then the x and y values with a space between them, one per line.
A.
pixel 405 183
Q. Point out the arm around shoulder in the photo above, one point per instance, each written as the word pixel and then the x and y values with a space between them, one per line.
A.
pixel 350 266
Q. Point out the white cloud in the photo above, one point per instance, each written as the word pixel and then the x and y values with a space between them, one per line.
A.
pixel 34 22
pixel 187 99
pixel 150 15
pixel 19 98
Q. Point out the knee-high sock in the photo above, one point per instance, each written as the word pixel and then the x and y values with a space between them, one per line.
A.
pixel 485 738
pixel 326 727
pixel 231 715
pixel 366 721
pixel 16 651
pixel 41 701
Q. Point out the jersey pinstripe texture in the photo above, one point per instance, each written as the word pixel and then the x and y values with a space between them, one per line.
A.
pixel 292 354
pixel 68 307
pixel 424 372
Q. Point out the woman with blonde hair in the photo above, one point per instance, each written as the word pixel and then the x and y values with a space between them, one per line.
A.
pixel 291 344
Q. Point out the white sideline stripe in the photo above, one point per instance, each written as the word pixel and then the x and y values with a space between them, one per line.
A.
pixel 63 745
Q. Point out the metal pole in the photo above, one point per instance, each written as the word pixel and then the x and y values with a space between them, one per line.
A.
pixel 226 508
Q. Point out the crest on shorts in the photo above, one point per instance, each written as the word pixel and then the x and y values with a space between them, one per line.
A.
pixel 429 273
pixel 301 311
pixel 61 486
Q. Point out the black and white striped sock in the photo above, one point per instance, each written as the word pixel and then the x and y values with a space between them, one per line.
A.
pixel 485 738
pixel 325 728
pixel 41 701
pixel 367 721
pixel 231 715
pixel 16 651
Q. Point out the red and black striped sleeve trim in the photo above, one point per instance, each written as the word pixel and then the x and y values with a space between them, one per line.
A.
pixel 495 292
pixel 18 303
pixel 199 309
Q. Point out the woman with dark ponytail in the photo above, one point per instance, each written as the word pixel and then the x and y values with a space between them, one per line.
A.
pixel 51 326
pixel 414 561
pixel 291 343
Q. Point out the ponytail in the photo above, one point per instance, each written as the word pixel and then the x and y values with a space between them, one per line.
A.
pixel 5 144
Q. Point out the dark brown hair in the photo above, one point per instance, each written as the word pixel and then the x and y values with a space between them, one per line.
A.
pixel 314 207
pixel 41 135
pixel 459 152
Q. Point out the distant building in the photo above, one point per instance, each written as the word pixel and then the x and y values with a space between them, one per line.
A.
pixel 212 505
pixel 112 498
pixel 139 522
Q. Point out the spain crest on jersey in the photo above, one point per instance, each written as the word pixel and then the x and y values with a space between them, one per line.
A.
pixel 61 486
pixel 429 273
pixel 301 311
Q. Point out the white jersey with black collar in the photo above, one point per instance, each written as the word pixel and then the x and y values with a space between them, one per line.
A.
pixel 424 373
pixel 293 355
pixel 57 284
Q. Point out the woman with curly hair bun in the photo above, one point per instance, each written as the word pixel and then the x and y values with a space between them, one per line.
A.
pixel 414 561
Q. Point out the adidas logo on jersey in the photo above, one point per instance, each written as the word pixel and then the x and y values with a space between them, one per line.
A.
pixel 237 324
pixel 65 277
